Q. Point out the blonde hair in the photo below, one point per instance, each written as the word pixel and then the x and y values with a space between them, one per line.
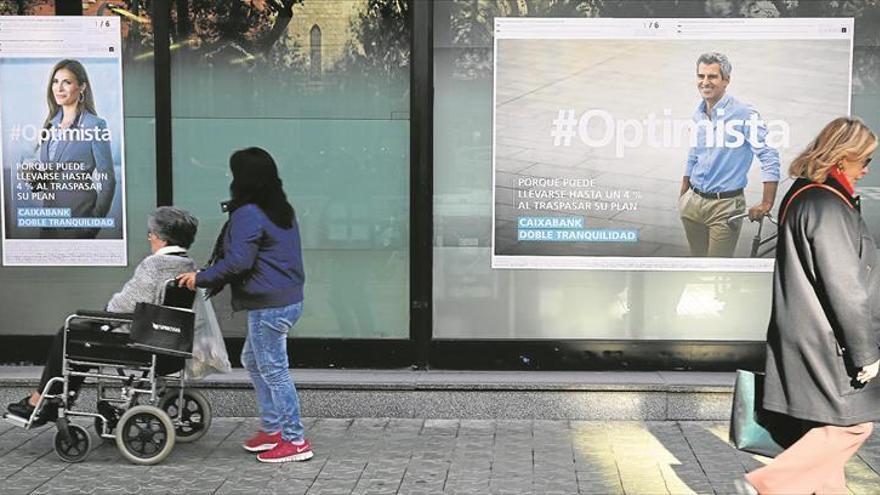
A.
pixel 842 139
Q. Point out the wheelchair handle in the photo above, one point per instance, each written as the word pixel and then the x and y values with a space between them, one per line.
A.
pixel 738 216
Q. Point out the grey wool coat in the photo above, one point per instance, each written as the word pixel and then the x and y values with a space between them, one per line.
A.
pixel 826 310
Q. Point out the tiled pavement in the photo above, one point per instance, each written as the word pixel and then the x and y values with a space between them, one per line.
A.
pixel 414 456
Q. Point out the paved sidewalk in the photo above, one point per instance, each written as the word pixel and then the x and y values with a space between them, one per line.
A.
pixel 412 456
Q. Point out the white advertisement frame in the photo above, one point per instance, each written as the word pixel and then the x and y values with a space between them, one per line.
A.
pixel 603 30
pixel 37 43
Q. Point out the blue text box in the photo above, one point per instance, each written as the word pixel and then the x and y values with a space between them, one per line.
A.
pixel 583 235
pixel 550 222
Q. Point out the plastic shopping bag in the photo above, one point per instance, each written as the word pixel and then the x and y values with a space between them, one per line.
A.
pixel 209 351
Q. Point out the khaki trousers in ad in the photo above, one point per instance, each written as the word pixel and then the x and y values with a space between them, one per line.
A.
pixel 705 223
pixel 814 464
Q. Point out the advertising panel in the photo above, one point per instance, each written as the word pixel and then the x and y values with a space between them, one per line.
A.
pixel 655 144
pixel 62 144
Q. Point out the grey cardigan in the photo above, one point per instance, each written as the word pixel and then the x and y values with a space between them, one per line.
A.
pixel 149 276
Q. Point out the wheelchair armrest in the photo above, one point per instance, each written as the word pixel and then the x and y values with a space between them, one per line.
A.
pixel 102 315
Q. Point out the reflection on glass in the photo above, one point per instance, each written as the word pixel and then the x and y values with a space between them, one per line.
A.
pixel 315 52
pixel 324 87
pixel 473 301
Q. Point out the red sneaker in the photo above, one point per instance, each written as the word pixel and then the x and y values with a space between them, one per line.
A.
pixel 262 441
pixel 288 451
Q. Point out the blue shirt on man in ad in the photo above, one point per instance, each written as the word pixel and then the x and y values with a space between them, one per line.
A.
pixel 716 166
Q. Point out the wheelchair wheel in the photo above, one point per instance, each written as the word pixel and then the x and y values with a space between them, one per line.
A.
pixel 145 435
pixel 195 413
pixel 76 446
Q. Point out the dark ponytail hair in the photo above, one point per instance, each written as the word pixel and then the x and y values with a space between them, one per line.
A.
pixel 255 180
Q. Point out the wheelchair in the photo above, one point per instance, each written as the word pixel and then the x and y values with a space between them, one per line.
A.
pixel 143 403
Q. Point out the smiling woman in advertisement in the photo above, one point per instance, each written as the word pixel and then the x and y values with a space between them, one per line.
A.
pixel 75 155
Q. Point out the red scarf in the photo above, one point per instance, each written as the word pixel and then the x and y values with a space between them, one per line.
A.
pixel 844 181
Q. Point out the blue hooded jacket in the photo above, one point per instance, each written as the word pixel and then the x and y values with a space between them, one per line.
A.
pixel 261 261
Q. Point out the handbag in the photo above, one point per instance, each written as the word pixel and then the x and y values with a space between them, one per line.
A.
pixel 754 429
pixel 162 329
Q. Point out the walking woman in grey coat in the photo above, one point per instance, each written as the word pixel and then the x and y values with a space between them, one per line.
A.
pixel 822 341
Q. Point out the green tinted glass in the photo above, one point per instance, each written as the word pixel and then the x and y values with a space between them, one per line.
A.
pixel 326 93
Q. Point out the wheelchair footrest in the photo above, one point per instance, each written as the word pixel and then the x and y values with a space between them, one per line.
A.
pixel 16 420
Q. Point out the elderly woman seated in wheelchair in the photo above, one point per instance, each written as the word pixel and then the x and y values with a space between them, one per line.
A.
pixel 102 341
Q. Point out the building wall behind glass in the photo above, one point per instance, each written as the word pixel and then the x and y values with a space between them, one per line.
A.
pixel 472 301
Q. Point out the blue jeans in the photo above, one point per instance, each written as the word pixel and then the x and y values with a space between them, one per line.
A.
pixel 265 357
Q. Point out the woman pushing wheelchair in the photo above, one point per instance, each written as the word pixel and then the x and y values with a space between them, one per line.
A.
pixel 259 254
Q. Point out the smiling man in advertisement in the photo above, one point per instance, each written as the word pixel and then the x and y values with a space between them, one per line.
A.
pixel 712 190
